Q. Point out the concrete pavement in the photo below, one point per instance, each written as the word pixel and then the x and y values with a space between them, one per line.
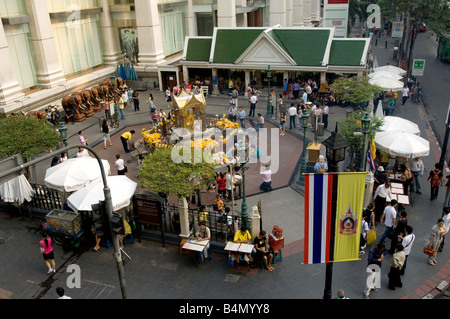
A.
pixel 157 272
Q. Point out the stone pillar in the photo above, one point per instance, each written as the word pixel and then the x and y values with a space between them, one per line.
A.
pixel 190 17
pixel 226 13
pixel 297 13
pixel 277 13
pixel 111 55
pixel 184 217
pixel 215 82
pixel 185 74
pixel 315 10
pixel 151 51
pixel 255 222
pixel 247 81
pixel 49 71
pixel 307 13
pixel 10 89
pixel 323 77
pixel 289 13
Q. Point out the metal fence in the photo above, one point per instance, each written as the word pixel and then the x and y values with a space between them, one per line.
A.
pixel 45 198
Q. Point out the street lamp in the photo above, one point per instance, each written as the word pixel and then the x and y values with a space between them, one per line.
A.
pixel 116 108
pixel 304 119
pixel 63 134
pixel 335 148
pixel 269 77
pixel 365 126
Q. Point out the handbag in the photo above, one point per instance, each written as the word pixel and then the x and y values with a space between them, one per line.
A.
pixel 429 251
pixel 371 236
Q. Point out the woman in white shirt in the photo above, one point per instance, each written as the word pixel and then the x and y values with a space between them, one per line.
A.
pixel 120 165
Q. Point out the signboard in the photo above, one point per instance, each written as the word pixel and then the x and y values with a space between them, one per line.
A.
pixel 397 29
pixel 418 67
pixel 335 14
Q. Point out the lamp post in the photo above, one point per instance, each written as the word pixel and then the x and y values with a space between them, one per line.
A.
pixel 116 108
pixel 365 126
pixel 63 133
pixel 244 207
pixel 304 119
pixel 335 149
pixel 269 77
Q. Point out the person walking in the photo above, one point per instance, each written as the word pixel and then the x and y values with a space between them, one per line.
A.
pixel 325 112
pixel 292 115
pixel 47 252
pixel 416 166
pixel 121 105
pixel 399 231
pixel 374 258
pixel 82 138
pixel 396 265
pixel 282 124
pixel 106 136
pixel 136 100
pixel 125 137
pixel 241 116
pixel 266 174
pixel 407 242
pixel 389 217
pixel 446 219
pixel 120 165
pixel 437 234
pixel 405 94
pixel 381 196
pixel 253 101
pixel 436 180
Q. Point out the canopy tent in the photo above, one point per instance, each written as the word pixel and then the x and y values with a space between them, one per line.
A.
pixel 395 123
pixel 402 144
pixel 74 173
pixel 385 74
pixel 16 190
pixel 390 68
pixel 387 84
pixel 379 111
pixel 122 189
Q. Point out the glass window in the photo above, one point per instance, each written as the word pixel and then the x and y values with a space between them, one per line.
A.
pixel 79 45
pixel 174 28
pixel 69 5
pixel 11 8
pixel 22 54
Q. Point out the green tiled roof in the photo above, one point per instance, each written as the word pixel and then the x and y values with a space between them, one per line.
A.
pixel 231 43
pixel 306 47
pixel 346 52
pixel 198 49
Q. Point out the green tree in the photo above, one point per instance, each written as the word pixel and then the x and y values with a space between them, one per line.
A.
pixel 434 13
pixel 355 90
pixel 352 123
pixel 26 136
pixel 159 173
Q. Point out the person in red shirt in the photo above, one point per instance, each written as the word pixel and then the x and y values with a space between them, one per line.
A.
pixel 221 184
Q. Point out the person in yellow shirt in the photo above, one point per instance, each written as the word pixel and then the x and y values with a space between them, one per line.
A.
pixel 241 236
pixel 125 138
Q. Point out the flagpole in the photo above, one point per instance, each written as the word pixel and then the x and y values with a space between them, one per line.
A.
pixel 328 280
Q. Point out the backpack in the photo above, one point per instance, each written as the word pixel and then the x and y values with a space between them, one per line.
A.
pixel 435 180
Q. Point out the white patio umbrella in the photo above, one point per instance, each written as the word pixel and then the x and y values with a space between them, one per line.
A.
pixel 395 123
pixel 16 190
pixel 402 144
pixel 385 74
pixel 390 68
pixel 74 173
pixel 387 84
pixel 379 113
pixel 122 189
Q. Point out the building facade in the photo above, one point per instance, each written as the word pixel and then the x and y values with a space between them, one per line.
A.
pixel 51 48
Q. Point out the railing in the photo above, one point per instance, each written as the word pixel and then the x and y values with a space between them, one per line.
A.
pixel 45 198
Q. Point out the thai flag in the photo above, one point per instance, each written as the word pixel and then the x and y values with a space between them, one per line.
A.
pixel 370 160
pixel 320 217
